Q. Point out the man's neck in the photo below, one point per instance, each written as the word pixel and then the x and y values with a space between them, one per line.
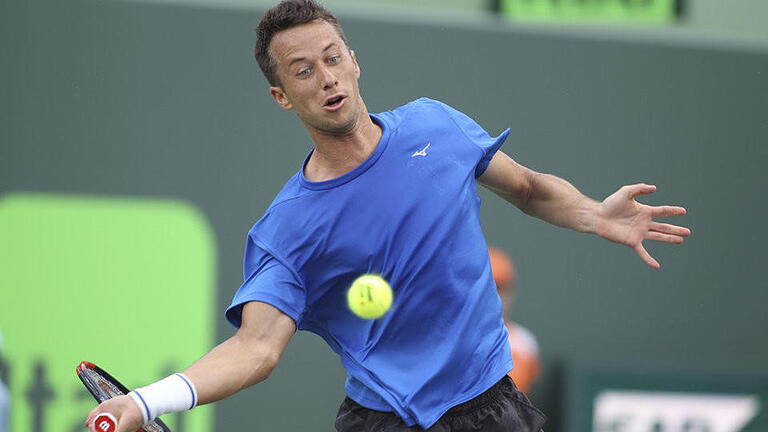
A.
pixel 336 155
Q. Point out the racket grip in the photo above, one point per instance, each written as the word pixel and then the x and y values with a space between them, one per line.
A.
pixel 104 422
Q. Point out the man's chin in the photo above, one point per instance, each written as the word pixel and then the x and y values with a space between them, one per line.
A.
pixel 341 127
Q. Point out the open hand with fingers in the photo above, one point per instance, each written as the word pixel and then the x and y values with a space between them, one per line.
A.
pixel 622 219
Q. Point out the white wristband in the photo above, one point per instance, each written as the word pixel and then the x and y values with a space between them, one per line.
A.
pixel 172 394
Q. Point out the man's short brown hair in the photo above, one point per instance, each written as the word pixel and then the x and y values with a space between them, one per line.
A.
pixel 287 14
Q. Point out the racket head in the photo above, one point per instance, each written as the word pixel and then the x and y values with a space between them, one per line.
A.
pixel 104 386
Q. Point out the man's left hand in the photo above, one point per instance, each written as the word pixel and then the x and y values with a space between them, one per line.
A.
pixel 623 220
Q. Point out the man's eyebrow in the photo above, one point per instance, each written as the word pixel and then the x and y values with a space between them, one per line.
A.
pixel 298 59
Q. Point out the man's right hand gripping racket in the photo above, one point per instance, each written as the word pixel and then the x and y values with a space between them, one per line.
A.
pixel 103 386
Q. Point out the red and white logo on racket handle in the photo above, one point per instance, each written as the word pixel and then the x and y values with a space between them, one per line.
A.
pixel 104 422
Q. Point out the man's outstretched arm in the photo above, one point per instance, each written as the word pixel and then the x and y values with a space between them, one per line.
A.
pixel 619 218
pixel 246 358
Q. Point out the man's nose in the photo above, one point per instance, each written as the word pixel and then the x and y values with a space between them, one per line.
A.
pixel 329 78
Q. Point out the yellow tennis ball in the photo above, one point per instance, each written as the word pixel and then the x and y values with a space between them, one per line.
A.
pixel 369 296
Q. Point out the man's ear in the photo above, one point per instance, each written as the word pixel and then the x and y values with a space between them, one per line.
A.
pixel 278 94
pixel 354 61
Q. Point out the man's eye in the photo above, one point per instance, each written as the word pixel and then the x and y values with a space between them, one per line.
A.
pixel 303 72
pixel 334 59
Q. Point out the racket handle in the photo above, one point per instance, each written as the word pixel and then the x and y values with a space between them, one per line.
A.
pixel 104 422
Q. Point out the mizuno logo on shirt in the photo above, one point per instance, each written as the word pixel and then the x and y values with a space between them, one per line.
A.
pixel 422 152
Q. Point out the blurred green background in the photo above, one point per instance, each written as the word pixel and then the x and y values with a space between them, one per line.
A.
pixel 113 281
pixel 163 100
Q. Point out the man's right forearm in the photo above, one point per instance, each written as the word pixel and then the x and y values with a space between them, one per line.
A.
pixel 230 367
pixel 243 360
pixel 246 358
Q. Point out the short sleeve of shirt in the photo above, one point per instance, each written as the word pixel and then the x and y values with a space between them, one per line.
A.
pixel 477 135
pixel 270 281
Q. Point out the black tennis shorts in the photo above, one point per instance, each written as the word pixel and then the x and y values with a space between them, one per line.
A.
pixel 502 408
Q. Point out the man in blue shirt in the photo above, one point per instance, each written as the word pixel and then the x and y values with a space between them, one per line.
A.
pixel 394 194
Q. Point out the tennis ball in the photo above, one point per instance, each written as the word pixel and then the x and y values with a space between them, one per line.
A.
pixel 369 296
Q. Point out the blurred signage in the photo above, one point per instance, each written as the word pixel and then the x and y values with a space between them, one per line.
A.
pixel 615 400
pixel 620 11
pixel 127 283
pixel 654 411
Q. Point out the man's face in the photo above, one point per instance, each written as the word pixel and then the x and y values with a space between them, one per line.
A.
pixel 318 77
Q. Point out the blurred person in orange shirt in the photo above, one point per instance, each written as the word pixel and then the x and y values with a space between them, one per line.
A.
pixel 525 348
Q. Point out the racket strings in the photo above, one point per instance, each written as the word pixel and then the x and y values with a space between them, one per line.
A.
pixel 101 386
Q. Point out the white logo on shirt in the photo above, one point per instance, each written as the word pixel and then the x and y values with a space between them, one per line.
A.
pixel 422 152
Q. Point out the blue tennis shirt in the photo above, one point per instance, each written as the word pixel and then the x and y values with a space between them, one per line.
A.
pixel 409 212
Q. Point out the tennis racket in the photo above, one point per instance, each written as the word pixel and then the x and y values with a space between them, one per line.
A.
pixel 103 387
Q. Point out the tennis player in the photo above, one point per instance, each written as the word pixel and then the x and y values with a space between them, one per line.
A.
pixel 392 193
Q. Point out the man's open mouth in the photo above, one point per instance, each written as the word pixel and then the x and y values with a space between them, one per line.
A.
pixel 334 102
